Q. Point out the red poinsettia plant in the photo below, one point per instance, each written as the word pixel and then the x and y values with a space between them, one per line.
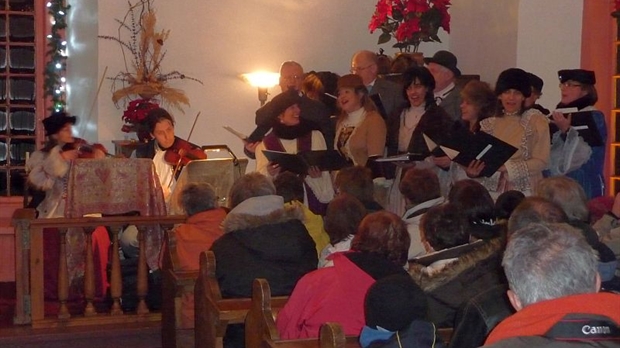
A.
pixel 410 22
pixel 135 115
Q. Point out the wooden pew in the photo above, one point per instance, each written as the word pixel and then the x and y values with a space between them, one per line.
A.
pixel 212 313
pixel 261 331
pixel 175 283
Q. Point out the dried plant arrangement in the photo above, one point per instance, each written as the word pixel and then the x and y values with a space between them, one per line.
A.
pixel 143 54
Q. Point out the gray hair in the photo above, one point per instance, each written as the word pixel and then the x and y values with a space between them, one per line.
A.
pixel 567 193
pixel 196 198
pixel 535 210
pixel 250 185
pixel 549 261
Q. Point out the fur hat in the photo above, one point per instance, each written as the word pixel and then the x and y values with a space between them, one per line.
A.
pixel 278 105
pixel 586 77
pixel 394 302
pixel 536 82
pixel 54 123
pixel 513 78
pixel 445 59
pixel 350 81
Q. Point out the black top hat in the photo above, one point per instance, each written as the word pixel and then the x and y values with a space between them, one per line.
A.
pixel 580 75
pixel 536 82
pixel 447 59
pixel 277 105
pixel 513 78
pixel 54 123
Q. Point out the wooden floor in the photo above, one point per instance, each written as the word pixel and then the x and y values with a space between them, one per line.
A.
pixel 137 335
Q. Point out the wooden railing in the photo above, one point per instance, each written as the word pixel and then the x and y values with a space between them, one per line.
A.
pixel 30 303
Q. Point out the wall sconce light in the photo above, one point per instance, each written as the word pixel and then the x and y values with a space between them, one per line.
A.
pixel 263 80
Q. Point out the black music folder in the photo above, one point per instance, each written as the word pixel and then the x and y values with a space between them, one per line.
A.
pixel 583 122
pixel 480 146
pixel 300 163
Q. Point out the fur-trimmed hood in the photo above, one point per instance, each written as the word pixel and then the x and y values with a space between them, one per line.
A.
pixel 483 257
pixel 259 211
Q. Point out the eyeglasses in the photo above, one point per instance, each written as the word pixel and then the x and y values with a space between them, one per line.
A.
pixel 570 84
pixel 291 78
pixel 357 69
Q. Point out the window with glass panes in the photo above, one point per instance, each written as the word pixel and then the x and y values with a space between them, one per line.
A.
pixel 20 100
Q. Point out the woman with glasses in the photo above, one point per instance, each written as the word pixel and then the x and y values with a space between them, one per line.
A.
pixel 525 129
pixel 570 154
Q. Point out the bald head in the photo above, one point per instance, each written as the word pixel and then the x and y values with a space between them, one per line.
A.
pixel 364 64
pixel 291 76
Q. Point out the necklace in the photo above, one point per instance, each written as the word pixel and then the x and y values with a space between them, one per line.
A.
pixel 514 113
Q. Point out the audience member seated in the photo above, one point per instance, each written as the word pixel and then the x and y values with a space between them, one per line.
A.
pixel 337 293
pixel 357 181
pixel 474 203
pixel 421 190
pixel 197 234
pixel 344 214
pixel 458 271
pixel 608 227
pixel 505 204
pixel 570 196
pixel 293 134
pixel 535 209
pixel 570 154
pixel 360 129
pixel 396 316
pixel 262 239
pixel 554 284
pixel 291 188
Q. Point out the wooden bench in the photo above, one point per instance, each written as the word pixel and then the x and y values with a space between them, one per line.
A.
pixel 261 331
pixel 212 313
pixel 175 283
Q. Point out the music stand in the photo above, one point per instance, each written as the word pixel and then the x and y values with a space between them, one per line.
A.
pixel 221 173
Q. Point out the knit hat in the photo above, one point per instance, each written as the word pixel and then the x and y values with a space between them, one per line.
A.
pixel 54 123
pixel 394 302
pixel 513 78
pixel 350 81
pixel 536 82
pixel 278 105
pixel 445 59
pixel 580 75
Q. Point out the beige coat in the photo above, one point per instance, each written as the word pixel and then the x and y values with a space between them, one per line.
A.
pixel 368 138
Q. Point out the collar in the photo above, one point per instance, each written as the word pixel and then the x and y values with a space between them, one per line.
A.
pixel 580 103
pixel 444 92
pixel 372 84
pixel 259 206
pixel 423 205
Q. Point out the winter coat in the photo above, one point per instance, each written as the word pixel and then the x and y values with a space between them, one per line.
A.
pixel 474 271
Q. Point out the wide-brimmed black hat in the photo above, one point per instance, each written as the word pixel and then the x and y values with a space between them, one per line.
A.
pixel 513 78
pixel 446 59
pixel 580 75
pixel 277 105
pixel 54 123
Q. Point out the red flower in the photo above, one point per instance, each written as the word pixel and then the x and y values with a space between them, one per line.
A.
pixel 137 110
pixel 410 21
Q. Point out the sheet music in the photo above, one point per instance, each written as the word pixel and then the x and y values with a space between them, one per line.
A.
pixel 236 133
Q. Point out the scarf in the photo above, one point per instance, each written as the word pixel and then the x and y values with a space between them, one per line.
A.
pixel 294 132
pixel 580 103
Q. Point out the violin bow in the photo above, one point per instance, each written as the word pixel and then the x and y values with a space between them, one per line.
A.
pixel 178 165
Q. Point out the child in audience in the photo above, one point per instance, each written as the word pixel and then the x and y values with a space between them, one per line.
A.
pixel 396 316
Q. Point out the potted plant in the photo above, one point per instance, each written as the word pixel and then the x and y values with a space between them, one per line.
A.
pixel 410 22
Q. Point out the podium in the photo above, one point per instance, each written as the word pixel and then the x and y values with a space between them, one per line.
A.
pixel 220 169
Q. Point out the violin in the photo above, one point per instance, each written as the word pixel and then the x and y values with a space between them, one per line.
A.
pixel 182 152
pixel 85 149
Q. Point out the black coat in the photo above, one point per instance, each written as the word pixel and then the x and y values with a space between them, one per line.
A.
pixel 275 246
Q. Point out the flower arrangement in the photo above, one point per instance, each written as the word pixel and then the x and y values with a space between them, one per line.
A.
pixel 143 54
pixel 134 117
pixel 410 22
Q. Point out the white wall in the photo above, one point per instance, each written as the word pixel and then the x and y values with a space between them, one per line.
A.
pixel 549 43
pixel 217 43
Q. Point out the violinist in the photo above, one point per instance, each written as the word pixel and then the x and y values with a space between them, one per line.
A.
pixel 167 150
pixel 49 166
